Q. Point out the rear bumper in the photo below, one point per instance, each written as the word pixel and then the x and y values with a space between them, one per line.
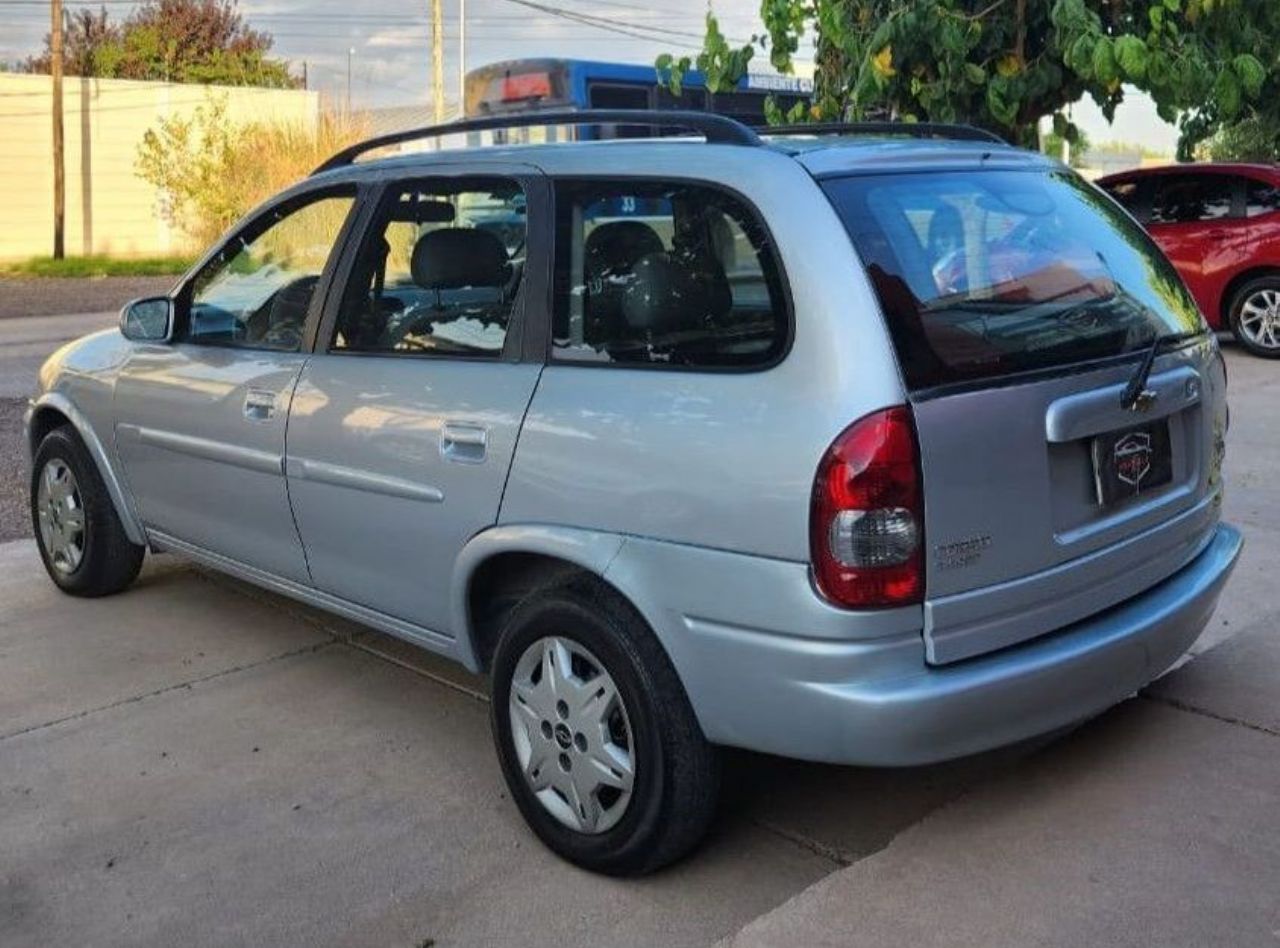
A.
pixel 876 702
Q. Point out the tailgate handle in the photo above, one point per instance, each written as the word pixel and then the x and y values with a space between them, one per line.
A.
pixel 1093 412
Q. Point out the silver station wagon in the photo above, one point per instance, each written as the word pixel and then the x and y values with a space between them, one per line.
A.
pixel 874 445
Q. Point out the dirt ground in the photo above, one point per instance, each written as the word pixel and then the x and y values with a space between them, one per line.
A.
pixel 47 296
pixel 14 519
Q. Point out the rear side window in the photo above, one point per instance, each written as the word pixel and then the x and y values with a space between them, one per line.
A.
pixel 1261 197
pixel 986 274
pixel 1193 197
pixel 664 274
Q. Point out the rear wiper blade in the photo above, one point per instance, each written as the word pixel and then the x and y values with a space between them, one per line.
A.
pixel 1136 395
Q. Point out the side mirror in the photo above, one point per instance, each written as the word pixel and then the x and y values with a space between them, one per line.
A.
pixel 147 320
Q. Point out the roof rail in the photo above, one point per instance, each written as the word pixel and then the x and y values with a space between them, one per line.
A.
pixel 958 132
pixel 715 128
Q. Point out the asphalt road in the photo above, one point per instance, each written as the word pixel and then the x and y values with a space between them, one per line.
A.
pixel 25 342
pixel 198 761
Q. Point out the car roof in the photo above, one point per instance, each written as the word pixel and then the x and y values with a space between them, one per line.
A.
pixel 822 156
pixel 834 155
pixel 1248 169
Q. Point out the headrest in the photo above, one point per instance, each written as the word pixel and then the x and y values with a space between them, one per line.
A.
pixel 455 257
pixel 666 295
pixel 946 231
pixel 617 245
pixel 422 211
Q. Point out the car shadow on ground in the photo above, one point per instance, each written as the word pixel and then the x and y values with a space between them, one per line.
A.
pixel 840 813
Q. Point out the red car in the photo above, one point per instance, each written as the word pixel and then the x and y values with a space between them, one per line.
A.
pixel 1219 224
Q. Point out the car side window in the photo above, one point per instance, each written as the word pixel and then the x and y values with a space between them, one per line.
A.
pixel 1261 197
pixel 664 274
pixel 1128 194
pixel 256 292
pixel 439 271
pixel 1185 198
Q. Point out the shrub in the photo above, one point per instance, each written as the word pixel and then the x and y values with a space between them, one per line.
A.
pixel 210 171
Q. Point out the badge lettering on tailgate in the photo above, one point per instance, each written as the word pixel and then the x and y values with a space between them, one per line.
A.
pixel 960 553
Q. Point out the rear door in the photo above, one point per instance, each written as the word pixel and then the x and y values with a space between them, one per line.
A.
pixel 1020 303
pixel 404 422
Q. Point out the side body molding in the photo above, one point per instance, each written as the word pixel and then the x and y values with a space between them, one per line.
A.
pixel 115 487
pixel 590 549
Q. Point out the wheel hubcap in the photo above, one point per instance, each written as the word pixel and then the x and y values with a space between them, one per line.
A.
pixel 1260 318
pixel 572 735
pixel 60 513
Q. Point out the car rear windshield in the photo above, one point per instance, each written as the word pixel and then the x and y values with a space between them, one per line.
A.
pixel 987 274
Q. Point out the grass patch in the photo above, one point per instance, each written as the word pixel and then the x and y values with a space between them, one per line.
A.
pixel 96 266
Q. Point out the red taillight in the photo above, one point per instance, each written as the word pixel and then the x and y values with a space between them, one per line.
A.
pixel 866 518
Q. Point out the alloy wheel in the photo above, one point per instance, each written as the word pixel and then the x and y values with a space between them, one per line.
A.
pixel 572 735
pixel 1259 318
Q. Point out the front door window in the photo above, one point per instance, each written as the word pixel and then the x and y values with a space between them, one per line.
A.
pixel 257 291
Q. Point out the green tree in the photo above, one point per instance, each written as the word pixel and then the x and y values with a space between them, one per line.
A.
pixel 1004 64
pixel 1052 145
pixel 1256 138
pixel 204 41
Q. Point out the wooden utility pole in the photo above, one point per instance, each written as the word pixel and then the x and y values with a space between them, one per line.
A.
pixel 437 58
pixel 59 179
pixel 462 57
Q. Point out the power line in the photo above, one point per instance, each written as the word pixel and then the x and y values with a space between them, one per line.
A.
pixel 603 23
pixel 624 27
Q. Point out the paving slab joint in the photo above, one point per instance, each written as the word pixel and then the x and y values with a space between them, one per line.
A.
pixel 178 686
pixel 1205 712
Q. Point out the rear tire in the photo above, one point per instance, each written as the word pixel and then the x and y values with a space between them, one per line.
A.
pixel 81 540
pixel 1255 316
pixel 578 639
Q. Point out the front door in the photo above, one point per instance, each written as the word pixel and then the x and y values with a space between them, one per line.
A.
pixel 404 423
pixel 1198 221
pixel 200 422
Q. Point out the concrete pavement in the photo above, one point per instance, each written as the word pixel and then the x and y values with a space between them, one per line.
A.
pixel 196 761
pixel 1155 825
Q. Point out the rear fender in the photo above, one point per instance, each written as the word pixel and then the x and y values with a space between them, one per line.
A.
pixel 591 550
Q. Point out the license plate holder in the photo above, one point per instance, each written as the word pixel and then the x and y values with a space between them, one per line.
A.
pixel 1131 462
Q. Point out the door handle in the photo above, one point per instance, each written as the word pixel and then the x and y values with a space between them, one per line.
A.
pixel 259 405
pixel 460 441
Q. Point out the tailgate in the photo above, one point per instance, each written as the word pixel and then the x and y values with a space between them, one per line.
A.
pixel 1022 538
pixel 1021 303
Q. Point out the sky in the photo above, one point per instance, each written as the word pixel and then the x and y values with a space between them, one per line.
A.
pixel 390 44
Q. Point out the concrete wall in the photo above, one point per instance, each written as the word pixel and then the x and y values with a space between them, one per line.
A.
pixel 109 209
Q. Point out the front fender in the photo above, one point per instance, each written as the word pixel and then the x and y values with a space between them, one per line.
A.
pixel 56 401
pixel 590 549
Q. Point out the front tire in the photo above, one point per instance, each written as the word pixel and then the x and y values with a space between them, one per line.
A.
pixel 1255 316
pixel 82 542
pixel 597 740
